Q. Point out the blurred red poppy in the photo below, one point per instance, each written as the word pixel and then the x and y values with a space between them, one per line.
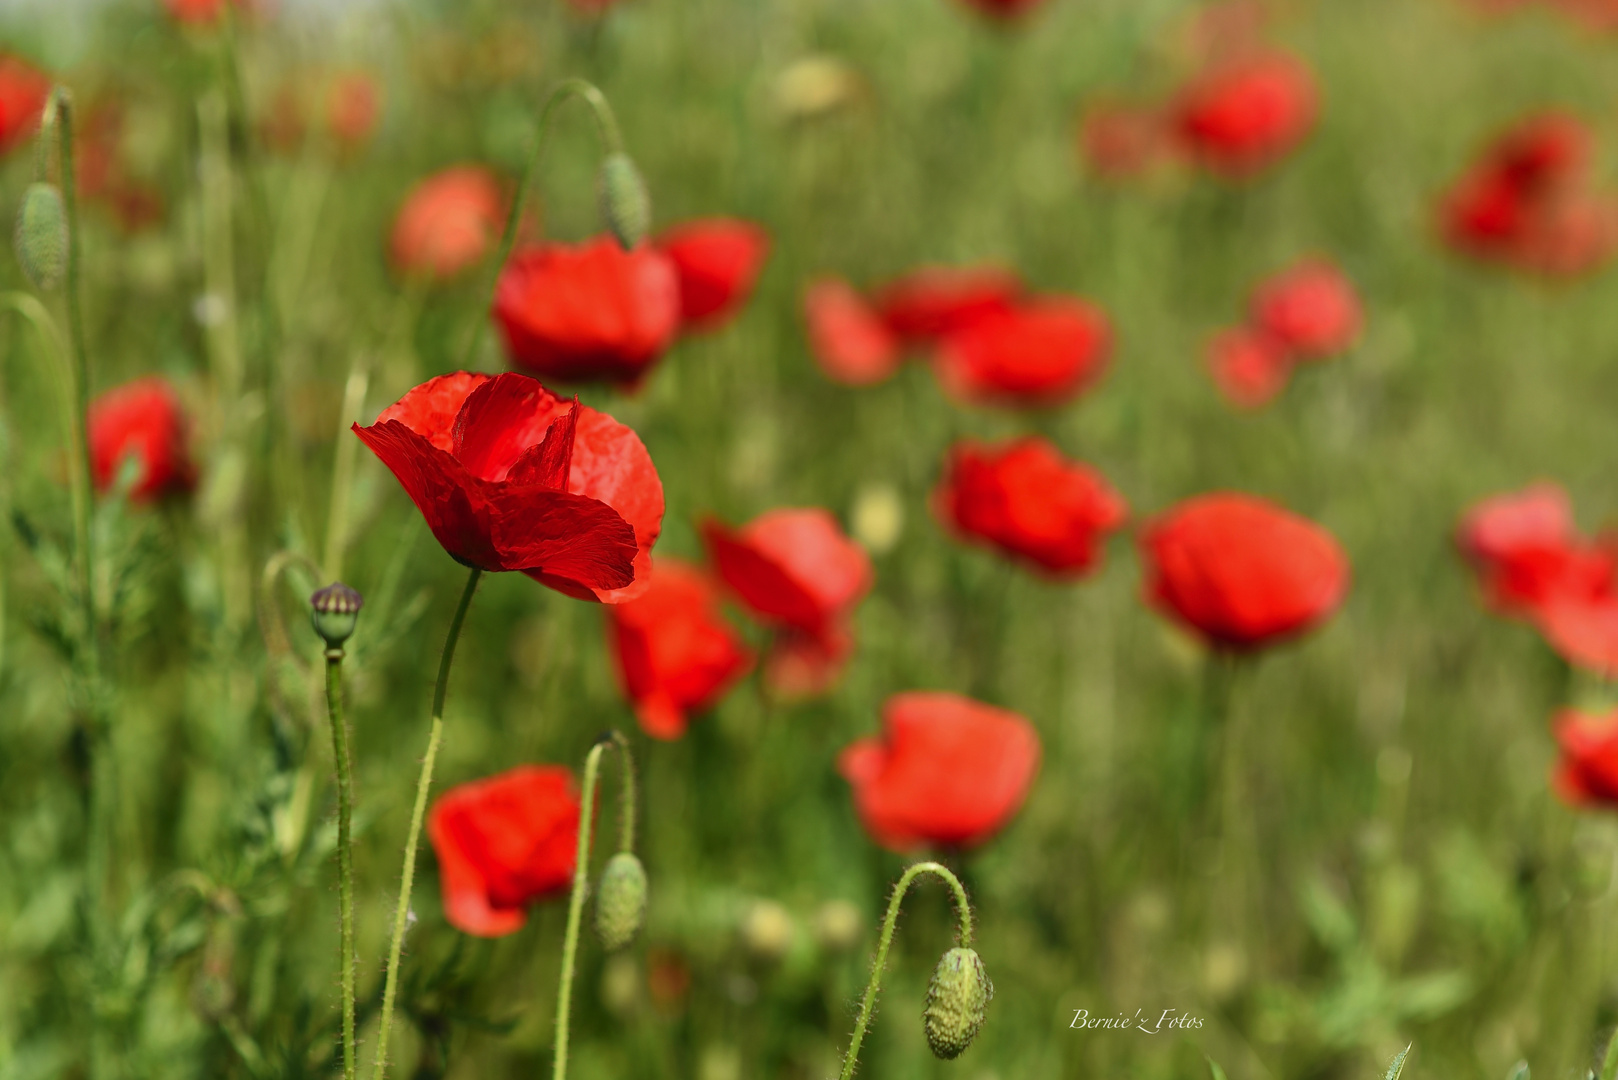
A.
pixel 1248 366
pixel 850 342
pixel 142 420
pixel 1241 571
pixel 201 12
pixel 511 477
pixel 353 106
pixel 1242 116
pixel 449 222
pixel 23 90
pixel 1024 498
pixel 1119 140
pixel 717 261
pixel 1311 309
pixel 1043 352
pixel 1004 9
pixel 676 654
pixel 502 844
pixel 1587 774
pixel 947 771
pixel 1528 552
pixel 1498 528
pixel 588 312
pixel 930 302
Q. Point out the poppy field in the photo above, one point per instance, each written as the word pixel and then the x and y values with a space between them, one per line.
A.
pixel 731 539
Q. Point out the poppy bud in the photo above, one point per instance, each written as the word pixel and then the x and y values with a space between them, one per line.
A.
pixel 625 205
pixel 336 611
pixel 621 901
pixel 956 1000
pixel 42 236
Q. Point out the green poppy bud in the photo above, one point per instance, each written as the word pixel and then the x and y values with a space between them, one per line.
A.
pixel 336 609
pixel 42 236
pixel 956 1000
pixel 625 205
pixel 621 900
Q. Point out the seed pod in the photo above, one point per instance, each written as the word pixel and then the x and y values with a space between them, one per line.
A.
pixel 621 900
pixel 42 236
pixel 336 610
pixel 956 1000
pixel 625 205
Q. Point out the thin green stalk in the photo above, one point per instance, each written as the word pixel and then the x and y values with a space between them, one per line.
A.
pixel 963 910
pixel 1609 1061
pixel 613 142
pixel 401 914
pixel 342 479
pixel 345 853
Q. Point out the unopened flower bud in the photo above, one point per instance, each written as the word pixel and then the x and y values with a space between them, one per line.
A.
pixel 42 236
pixel 956 1000
pixel 621 900
pixel 625 205
pixel 336 609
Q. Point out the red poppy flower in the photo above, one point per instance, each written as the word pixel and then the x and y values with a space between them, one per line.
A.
pixel 1310 308
pixel 588 312
pixel 1583 627
pixel 947 771
pixel 23 90
pixel 1248 366
pixel 141 420
pixel 1044 352
pixel 850 342
pixel 511 477
pixel 1243 116
pixel 676 654
pixel 200 12
pixel 1119 140
pixel 353 106
pixel 1587 775
pixel 1501 526
pixel 1027 500
pixel 933 301
pixel 1528 552
pixel 448 222
pixel 717 261
pixel 504 843
pixel 1241 571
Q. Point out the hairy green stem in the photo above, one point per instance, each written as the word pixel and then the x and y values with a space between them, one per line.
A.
pixel 963 909
pixel 401 914
pixel 612 142
pixel 345 853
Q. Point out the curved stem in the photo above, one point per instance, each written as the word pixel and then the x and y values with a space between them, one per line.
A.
pixel 401 915
pixel 963 910
pixel 612 142
pixel 345 852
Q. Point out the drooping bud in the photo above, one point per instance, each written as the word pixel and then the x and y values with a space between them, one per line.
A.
pixel 625 205
pixel 956 1000
pixel 42 236
pixel 621 900
pixel 335 611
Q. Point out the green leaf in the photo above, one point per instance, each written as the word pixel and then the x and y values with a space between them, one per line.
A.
pixel 1213 1067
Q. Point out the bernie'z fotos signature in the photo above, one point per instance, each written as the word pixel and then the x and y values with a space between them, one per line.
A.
pixel 1168 1021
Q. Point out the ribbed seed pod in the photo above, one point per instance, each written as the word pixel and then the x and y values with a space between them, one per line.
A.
pixel 621 900
pixel 335 611
pixel 42 236
pixel 625 205
pixel 956 1000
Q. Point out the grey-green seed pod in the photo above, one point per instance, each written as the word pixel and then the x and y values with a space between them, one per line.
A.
pixel 625 205
pixel 621 900
pixel 335 611
pixel 956 1000
pixel 42 236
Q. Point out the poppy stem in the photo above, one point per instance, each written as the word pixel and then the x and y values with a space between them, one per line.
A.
pixel 401 915
pixel 962 908
pixel 345 852
pixel 612 142
pixel 581 871
pixel 1609 1060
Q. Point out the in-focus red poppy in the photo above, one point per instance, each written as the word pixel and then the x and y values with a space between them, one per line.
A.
pixel 850 342
pixel 947 771
pixel 1310 308
pixel 676 653
pixel 1248 366
pixel 1241 571
pixel 1043 352
pixel 23 90
pixel 1241 117
pixel 1120 141
pixel 589 312
pixel 143 421
pixel 504 843
pixel 1587 774
pixel 511 477
pixel 718 261
pixel 930 302
pixel 1027 500
pixel 353 107
pixel 449 222
pixel 1004 9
